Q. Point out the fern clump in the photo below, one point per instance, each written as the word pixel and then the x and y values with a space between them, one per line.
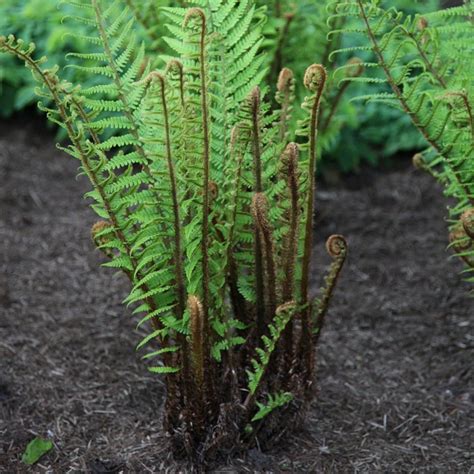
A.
pixel 207 207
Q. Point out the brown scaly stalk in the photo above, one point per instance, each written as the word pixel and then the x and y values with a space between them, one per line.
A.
pixel 260 214
pixel 314 81
pixel 289 161
pixel 259 270
pixel 239 304
pixel 336 247
pixel 399 94
pixel 422 25
pixel 197 350
pixel 198 13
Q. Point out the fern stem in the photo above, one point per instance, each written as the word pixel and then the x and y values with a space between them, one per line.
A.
pixel 421 51
pixel 237 300
pixel 319 75
pixel 468 108
pixel 290 157
pixel 427 62
pixel 260 214
pixel 197 333
pixel 278 8
pixel 197 12
pixel 178 253
pixel 315 80
pixel 178 66
pixel 337 248
pixel 205 206
pixel 257 160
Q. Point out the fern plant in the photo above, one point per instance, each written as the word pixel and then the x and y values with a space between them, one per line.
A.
pixel 427 62
pixel 207 207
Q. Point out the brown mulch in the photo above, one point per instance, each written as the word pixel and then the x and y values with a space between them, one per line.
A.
pixel 394 365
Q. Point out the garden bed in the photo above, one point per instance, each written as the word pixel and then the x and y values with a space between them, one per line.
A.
pixel 394 363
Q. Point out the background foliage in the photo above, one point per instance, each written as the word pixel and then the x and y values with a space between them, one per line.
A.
pixel 358 132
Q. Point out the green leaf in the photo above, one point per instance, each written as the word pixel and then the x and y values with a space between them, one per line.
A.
pixel 36 448
pixel 273 403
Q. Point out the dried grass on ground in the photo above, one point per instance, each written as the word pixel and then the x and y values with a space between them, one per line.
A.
pixel 395 362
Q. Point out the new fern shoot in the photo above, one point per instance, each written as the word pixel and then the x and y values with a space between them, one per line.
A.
pixel 207 207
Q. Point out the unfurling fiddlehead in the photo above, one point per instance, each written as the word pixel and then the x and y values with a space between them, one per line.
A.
pixel 336 247
pixel 285 97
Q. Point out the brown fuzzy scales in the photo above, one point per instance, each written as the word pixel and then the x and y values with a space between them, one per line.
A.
pixel 284 79
pixel 462 243
pixel 467 219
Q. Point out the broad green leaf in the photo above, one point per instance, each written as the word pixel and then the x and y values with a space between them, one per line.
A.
pixel 36 448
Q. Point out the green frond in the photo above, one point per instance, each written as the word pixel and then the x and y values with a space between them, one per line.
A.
pixel 273 402
pixel 415 55
pixel 260 364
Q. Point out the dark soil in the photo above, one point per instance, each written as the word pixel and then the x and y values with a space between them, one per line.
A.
pixel 395 361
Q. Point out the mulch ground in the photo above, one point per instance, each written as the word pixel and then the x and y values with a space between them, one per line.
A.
pixel 394 364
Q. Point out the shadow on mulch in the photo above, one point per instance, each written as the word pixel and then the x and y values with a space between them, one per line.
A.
pixel 394 364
